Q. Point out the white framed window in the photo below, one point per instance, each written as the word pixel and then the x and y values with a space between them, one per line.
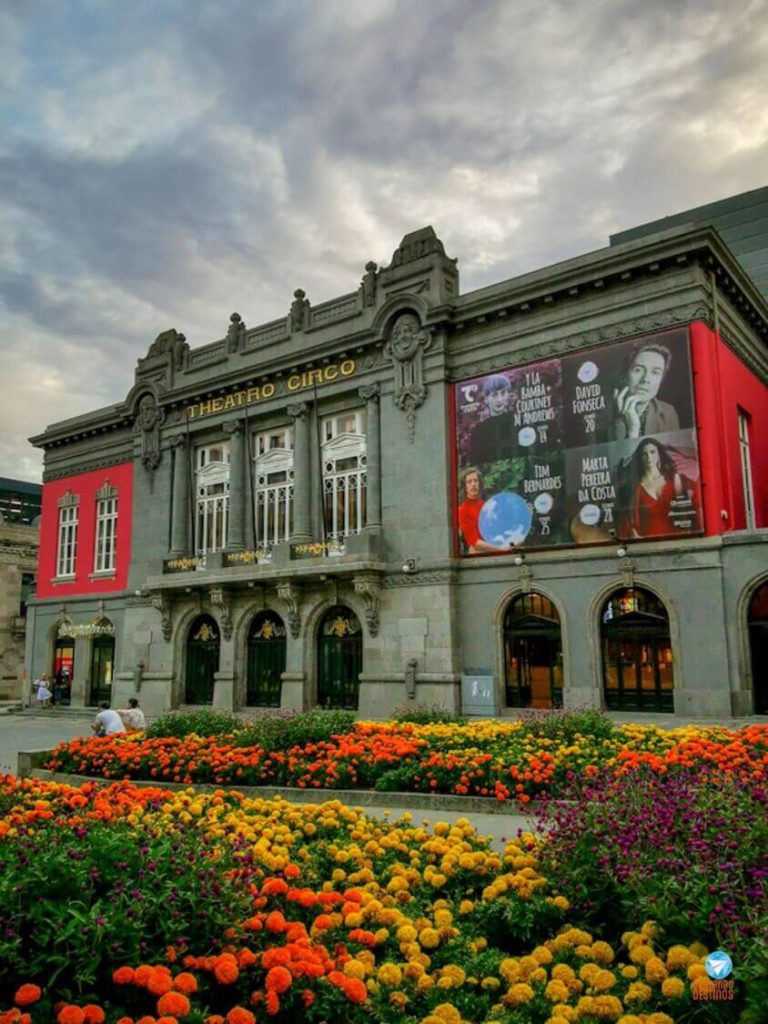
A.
pixel 344 461
pixel 746 469
pixel 211 497
pixel 66 550
pixel 104 557
pixel 273 486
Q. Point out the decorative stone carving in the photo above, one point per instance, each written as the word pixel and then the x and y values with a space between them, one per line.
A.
pixel 406 346
pixel 368 586
pixel 410 678
pixel 161 604
pixel 627 568
pixel 290 594
pixel 169 346
pixel 235 333
pixel 298 410
pixel 299 311
pixel 419 579
pixel 220 600
pixel 370 392
pixel 148 421
pixel 368 285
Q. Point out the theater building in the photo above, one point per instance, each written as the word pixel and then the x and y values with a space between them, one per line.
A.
pixel 550 490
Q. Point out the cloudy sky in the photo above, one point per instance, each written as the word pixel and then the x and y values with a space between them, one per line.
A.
pixel 165 162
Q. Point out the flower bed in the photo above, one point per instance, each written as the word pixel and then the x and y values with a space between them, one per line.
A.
pixel 501 760
pixel 141 905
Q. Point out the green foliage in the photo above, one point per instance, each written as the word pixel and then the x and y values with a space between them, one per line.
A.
pixel 426 714
pixel 203 722
pixel 284 730
pixel 567 724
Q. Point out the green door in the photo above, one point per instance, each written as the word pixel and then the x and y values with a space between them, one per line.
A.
pixel 202 660
pixel 102 662
pixel 266 661
pixel 339 659
pixel 533 653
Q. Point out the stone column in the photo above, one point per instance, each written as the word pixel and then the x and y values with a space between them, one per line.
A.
pixel 301 474
pixel 181 503
pixel 236 521
pixel 370 393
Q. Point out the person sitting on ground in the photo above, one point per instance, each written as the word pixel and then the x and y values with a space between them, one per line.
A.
pixel 107 721
pixel 132 716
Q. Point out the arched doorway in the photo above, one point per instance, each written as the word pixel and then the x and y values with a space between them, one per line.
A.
pixel 339 659
pixel 63 663
pixel 202 660
pixel 533 653
pixel 102 662
pixel 638 671
pixel 757 626
pixel 266 660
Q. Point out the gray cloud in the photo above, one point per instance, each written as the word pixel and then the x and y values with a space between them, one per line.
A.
pixel 163 164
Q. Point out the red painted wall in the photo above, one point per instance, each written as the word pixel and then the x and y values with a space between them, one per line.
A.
pixel 85 485
pixel 722 385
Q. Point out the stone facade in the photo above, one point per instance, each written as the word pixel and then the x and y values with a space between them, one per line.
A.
pixel 18 558
pixel 391 352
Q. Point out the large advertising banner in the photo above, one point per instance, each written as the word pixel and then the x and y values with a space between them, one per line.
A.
pixel 597 446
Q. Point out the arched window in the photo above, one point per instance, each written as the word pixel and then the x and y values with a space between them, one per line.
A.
pixel 273 486
pixel 533 653
pixel 339 658
pixel 266 660
pixel 344 474
pixel 212 489
pixel 638 670
pixel 757 625
pixel 202 660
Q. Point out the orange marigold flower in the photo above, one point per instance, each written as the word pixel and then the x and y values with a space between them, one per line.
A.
pixel 185 982
pixel 167 1020
pixel 159 982
pixel 171 954
pixel 272 1002
pixel 71 1014
pixel 307 997
pixel 215 1018
pixel 274 887
pixel 174 1004
pixel 239 1015
pixel 323 921
pixel 246 957
pixel 225 971
pixel 27 994
pixel 146 1019
pixel 275 922
pixel 278 979
pixel 142 974
pixel 355 990
pixel 123 975
pixel 93 1014
pixel 292 871
pixel 124 1020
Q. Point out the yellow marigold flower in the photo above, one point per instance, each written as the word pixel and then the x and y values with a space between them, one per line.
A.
pixel 518 995
pixel 569 1013
pixel 542 955
pixel 398 999
pixel 584 1005
pixel 602 952
pixel 509 969
pixel 698 949
pixel 638 992
pixel 447 1013
pixel 413 970
pixel 353 920
pixel 381 935
pixel 696 971
pixel 559 901
pixel 372 985
pixel 354 969
pixel 466 907
pixel 631 1018
pixel 655 971
pixel 425 982
pixel 539 976
pixel 607 1008
pixel 673 988
pixel 573 937
pixel 406 933
pixel 429 938
pixel 588 971
pixel 490 983
pixel 397 884
pixel 650 930
pixel 603 980
pixel 679 956
pixel 557 1020
pixel 659 1018
pixel 556 991
pixel 443 919
pixel 387 974
pixel 562 972
pixel 641 954
pixel 585 952
pixel 629 972
pixel 528 965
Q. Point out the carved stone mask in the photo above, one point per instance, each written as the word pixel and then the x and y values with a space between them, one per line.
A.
pixel 405 336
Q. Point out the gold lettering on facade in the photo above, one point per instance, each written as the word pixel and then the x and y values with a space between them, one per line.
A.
pixel 251 395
